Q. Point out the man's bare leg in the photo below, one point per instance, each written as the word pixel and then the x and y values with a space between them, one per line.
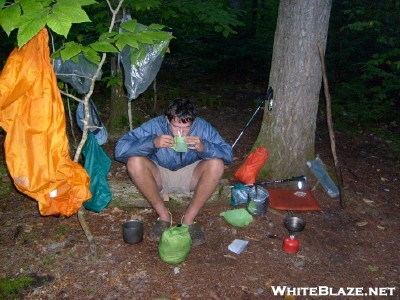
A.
pixel 146 176
pixel 205 180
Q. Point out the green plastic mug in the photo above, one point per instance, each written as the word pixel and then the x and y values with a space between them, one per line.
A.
pixel 180 145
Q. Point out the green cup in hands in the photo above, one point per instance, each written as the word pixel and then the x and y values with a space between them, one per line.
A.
pixel 180 145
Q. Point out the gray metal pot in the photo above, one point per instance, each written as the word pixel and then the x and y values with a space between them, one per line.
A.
pixel 294 224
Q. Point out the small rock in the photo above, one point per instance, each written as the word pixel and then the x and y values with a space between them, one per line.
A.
pixel 176 270
pixel 259 292
pixel 55 245
pixel 299 264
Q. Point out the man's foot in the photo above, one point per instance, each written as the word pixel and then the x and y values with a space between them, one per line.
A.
pixel 158 228
pixel 197 235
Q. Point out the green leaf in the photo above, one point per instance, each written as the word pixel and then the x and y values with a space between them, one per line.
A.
pixel 129 25
pixel 9 18
pixel 71 49
pixel 157 35
pixel 91 55
pixel 126 39
pixel 157 26
pixel 146 5
pixel 112 81
pixel 218 28
pixel 103 46
pixel 138 55
pixel 2 2
pixel 108 36
pixel 30 7
pixel 77 2
pixel 142 37
pixel 373 268
pixel 87 2
pixel 70 13
pixel 59 25
pixel 31 24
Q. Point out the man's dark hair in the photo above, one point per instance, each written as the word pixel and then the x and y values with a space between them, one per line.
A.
pixel 182 109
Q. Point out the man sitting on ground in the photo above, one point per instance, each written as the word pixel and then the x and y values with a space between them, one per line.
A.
pixel 156 168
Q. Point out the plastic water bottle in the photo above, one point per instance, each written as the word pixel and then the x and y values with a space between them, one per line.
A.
pixel 318 169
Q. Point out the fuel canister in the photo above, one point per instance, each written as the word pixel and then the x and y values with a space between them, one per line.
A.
pixel 290 244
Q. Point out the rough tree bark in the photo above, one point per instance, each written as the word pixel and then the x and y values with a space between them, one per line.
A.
pixel 118 118
pixel 288 131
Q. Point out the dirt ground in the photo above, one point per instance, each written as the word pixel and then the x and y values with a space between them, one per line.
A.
pixel 355 247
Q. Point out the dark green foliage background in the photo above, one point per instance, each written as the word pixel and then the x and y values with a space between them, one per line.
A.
pixel 362 55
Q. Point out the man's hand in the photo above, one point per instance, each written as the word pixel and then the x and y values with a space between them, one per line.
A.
pixel 164 141
pixel 194 143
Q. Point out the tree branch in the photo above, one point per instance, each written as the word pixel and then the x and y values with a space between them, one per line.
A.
pixel 81 212
pixel 71 96
pixel 338 170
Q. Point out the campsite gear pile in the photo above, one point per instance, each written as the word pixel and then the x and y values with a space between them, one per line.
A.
pixel 256 198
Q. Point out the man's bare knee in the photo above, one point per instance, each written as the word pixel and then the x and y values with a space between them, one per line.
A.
pixel 216 167
pixel 212 168
pixel 136 164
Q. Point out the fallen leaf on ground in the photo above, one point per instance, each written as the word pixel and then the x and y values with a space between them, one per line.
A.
pixel 362 223
pixel 373 268
pixel 367 201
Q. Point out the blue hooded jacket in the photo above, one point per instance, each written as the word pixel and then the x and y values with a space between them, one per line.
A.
pixel 139 142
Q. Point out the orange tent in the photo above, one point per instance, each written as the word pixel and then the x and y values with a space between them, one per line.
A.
pixel 36 145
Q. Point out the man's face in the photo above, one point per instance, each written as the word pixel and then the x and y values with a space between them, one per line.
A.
pixel 179 128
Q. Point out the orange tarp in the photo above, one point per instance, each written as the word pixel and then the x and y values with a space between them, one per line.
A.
pixel 36 145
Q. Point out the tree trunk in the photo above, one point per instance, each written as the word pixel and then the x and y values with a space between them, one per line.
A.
pixel 119 103
pixel 288 131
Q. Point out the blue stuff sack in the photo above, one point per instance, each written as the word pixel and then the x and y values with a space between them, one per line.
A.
pixel 239 194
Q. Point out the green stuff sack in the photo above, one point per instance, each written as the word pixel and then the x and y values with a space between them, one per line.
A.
pixel 237 217
pixel 97 165
pixel 175 244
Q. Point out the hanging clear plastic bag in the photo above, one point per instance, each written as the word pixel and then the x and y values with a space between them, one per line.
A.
pixel 98 128
pixel 142 65
pixel 77 73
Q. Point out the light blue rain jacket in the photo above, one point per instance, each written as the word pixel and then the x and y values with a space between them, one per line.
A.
pixel 139 142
